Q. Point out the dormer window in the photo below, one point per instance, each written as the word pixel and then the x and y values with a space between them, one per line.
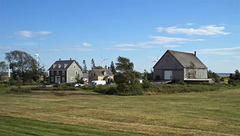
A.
pixel 54 65
pixel 59 65
pixel 65 65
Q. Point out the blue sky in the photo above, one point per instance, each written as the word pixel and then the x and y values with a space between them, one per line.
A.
pixel 141 30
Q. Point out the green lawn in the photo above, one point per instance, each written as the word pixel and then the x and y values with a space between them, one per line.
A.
pixel 86 112
pixel 11 126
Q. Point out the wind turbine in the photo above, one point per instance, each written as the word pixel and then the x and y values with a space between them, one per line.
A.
pixel 156 59
pixel 102 61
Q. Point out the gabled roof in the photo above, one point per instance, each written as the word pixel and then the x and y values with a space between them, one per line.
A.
pixel 100 72
pixel 63 65
pixel 186 59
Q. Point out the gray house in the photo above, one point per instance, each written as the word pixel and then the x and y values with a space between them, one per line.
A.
pixel 65 71
pixel 175 65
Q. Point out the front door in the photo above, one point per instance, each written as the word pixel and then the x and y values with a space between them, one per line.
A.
pixel 167 74
pixel 57 79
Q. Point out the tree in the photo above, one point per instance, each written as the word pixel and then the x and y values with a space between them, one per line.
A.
pixel 3 70
pixel 24 67
pixel 137 74
pixel 125 75
pixel 237 75
pixel 112 68
pixel 93 64
pixel 214 76
pixel 148 76
pixel 84 67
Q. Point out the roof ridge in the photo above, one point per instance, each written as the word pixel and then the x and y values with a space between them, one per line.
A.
pixel 181 52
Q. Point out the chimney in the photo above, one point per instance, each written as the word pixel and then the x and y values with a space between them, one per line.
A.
pixel 70 58
pixel 195 53
pixel 59 59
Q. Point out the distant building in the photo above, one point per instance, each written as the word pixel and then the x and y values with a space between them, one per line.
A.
pixel 101 74
pixel 175 65
pixel 85 77
pixel 64 71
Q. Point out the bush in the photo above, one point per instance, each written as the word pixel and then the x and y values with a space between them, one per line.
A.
pixel 146 84
pixel 2 85
pixel 110 90
pixel 87 87
pixel 19 90
pixel 178 88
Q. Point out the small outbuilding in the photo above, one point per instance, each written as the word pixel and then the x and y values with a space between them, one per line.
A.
pixel 180 66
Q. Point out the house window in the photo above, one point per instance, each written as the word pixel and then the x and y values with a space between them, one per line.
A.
pixel 72 79
pixel 57 72
pixel 63 79
pixel 74 66
pixel 63 73
pixel 52 79
pixel 76 72
pixel 52 72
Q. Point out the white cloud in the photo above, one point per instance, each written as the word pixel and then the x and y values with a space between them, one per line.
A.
pixel 125 45
pixel 221 51
pixel 157 40
pixel 171 46
pixel 169 40
pixel 72 48
pixel 203 30
pixel 85 44
pixel 126 49
pixel 30 34
pixel 189 24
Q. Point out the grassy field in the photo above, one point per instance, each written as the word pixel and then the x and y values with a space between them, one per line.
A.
pixel 88 113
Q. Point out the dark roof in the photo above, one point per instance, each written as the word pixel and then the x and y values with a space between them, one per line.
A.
pixel 63 65
pixel 186 59
pixel 100 72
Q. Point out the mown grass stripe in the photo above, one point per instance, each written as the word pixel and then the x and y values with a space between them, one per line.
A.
pixel 19 126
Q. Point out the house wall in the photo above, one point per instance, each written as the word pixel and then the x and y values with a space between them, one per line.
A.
pixel 57 73
pixel 72 72
pixel 168 62
pixel 195 73
pixel 94 76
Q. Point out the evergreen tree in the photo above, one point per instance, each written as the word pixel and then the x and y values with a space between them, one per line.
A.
pixel 93 64
pixel 112 68
pixel 84 67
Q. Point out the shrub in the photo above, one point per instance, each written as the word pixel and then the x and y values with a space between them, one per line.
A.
pixel 87 87
pixel 19 90
pixel 110 90
pixel 2 85
pixel 146 84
